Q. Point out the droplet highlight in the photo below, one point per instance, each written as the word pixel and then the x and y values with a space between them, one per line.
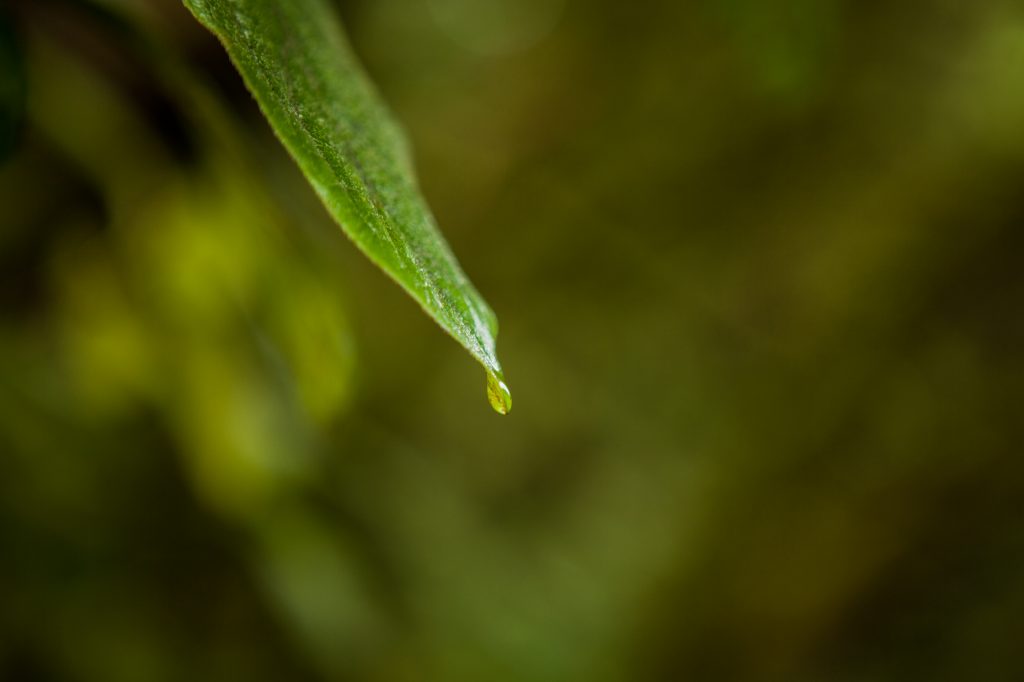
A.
pixel 498 394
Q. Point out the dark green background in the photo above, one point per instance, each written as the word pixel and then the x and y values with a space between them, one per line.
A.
pixel 758 267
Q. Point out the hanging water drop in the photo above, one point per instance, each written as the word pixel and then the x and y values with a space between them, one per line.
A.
pixel 498 394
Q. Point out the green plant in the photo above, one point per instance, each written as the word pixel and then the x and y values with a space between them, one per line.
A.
pixel 296 62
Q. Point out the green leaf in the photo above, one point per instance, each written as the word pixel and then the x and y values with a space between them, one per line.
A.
pixel 296 61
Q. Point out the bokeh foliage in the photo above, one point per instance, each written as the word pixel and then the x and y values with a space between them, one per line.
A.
pixel 758 266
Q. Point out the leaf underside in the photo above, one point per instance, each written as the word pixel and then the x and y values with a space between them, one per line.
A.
pixel 295 59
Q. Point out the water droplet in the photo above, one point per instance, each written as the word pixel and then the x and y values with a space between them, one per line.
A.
pixel 498 394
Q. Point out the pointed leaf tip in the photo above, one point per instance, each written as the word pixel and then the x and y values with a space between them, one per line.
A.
pixel 294 58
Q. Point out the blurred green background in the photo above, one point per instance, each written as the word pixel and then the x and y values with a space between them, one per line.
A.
pixel 758 266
